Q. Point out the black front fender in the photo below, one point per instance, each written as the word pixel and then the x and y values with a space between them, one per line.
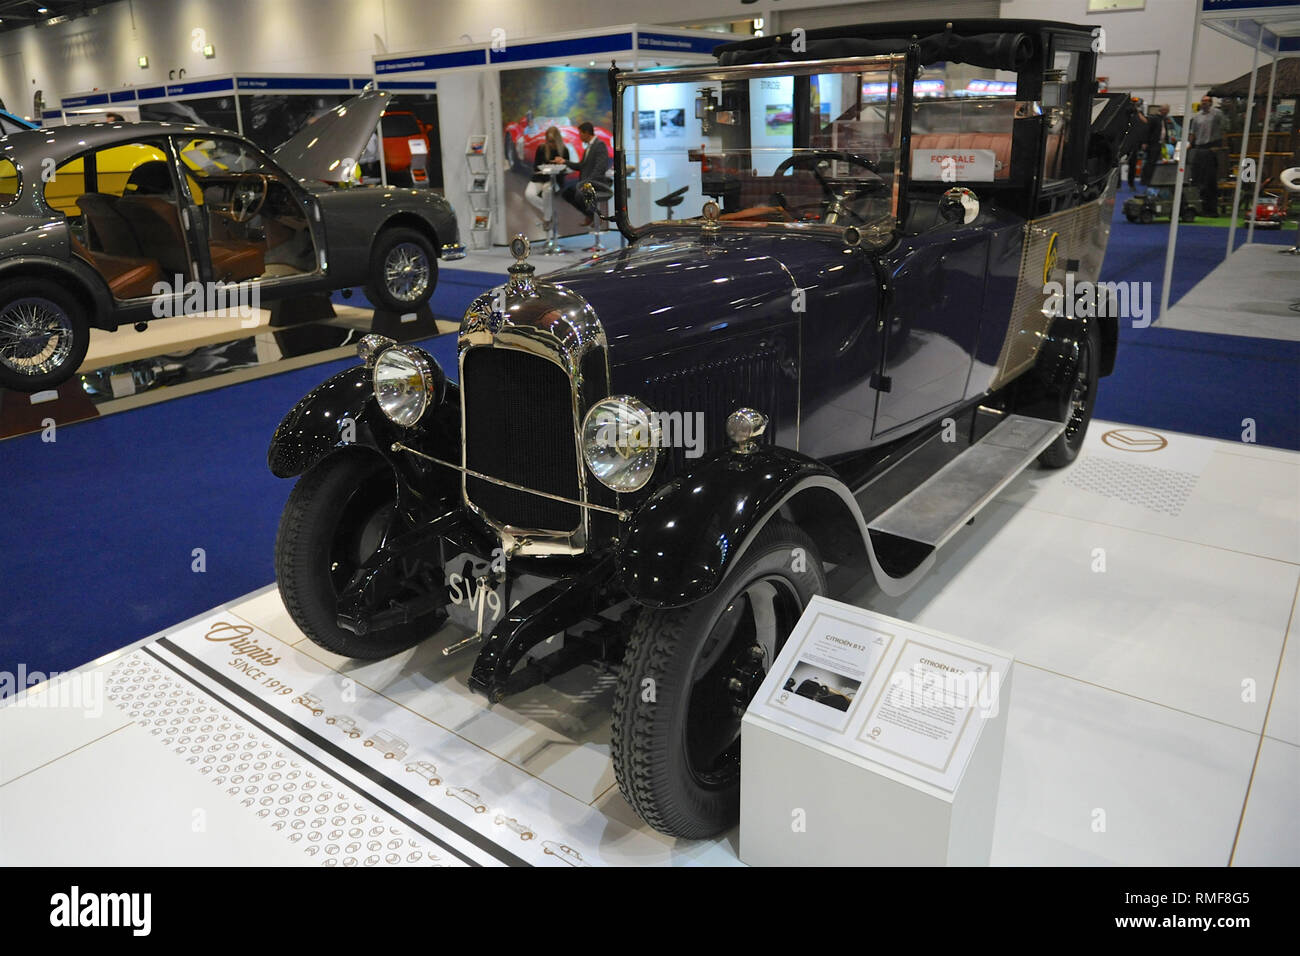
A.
pixel 339 412
pixel 680 544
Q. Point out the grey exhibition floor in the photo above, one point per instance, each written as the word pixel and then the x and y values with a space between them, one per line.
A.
pixel 1250 293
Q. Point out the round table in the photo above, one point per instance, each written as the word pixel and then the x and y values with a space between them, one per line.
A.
pixel 554 170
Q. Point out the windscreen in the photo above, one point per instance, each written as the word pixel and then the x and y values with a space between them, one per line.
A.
pixel 769 146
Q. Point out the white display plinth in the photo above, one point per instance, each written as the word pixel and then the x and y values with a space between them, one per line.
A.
pixel 873 742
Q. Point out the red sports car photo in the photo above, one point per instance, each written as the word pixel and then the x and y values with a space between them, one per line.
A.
pixel 524 136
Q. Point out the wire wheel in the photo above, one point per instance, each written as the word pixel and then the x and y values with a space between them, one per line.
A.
pixel 36 336
pixel 406 272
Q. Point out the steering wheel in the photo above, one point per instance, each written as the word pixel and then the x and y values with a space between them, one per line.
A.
pixel 848 189
pixel 248 196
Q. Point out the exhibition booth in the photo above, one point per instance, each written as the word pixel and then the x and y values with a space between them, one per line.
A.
pixel 499 99
pixel 270 108
pixel 1270 31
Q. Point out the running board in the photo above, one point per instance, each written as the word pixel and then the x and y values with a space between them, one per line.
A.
pixel 905 537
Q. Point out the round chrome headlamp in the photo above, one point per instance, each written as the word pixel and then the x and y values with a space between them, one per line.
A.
pixel 407 381
pixel 620 443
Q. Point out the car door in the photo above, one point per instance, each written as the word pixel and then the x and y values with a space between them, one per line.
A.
pixel 256 222
pixel 931 323
pixel 125 216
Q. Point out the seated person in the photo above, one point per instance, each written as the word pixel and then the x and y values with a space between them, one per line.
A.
pixel 593 168
pixel 552 150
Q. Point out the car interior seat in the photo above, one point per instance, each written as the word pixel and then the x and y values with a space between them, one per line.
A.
pixel 128 277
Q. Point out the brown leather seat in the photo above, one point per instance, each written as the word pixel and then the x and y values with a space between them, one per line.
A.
pixel 157 228
pixel 128 277
pixel 109 231
pixel 234 260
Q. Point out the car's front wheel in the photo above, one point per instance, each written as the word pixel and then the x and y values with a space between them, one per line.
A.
pixel 336 518
pixel 403 270
pixel 44 335
pixel 688 675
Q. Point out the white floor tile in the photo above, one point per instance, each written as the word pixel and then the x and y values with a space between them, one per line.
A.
pixel 1239 497
pixel 1270 828
pixel 145 817
pixel 1179 624
pixel 58 717
pixel 1168 787
pixel 1284 714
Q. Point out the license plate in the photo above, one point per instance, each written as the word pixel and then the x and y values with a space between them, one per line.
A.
pixel 418 147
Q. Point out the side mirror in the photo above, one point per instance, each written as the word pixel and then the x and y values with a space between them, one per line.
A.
pixel 959 204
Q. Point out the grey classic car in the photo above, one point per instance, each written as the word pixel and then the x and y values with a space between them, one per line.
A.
pixel 110 223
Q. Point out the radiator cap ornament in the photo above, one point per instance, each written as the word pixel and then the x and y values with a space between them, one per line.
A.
pixel 519 247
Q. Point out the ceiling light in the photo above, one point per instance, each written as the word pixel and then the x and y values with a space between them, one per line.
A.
pixel 42 10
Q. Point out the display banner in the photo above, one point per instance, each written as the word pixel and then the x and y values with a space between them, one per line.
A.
pixel 470 806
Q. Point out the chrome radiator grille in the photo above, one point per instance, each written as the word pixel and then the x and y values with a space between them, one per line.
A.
pixel 519 427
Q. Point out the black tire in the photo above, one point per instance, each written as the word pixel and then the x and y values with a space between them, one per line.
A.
pixel 1073 402
pixel 657 760
pixel 1146 217
pixel 44 334
pixel 330 524
pixel 405 245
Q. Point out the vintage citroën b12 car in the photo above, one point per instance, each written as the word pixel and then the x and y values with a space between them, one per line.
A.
pixel 658 452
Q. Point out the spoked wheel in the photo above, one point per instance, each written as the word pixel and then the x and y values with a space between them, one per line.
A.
pixel 689 674
pixel 1074 403
pixel 43 336
pixel 338 515
pixel 403 270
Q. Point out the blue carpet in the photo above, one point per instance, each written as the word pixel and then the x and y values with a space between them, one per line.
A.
pixel 101 525
pixel 1196 382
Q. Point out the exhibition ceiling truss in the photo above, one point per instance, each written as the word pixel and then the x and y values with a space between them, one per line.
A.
pixel 39 13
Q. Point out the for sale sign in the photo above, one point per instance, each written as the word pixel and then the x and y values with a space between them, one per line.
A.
pixel 954 165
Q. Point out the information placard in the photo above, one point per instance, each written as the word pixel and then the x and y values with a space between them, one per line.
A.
pixel 893 693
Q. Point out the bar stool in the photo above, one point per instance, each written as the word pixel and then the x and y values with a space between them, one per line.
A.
pixel 1291 180
pixel 601 193
pixel 672 200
